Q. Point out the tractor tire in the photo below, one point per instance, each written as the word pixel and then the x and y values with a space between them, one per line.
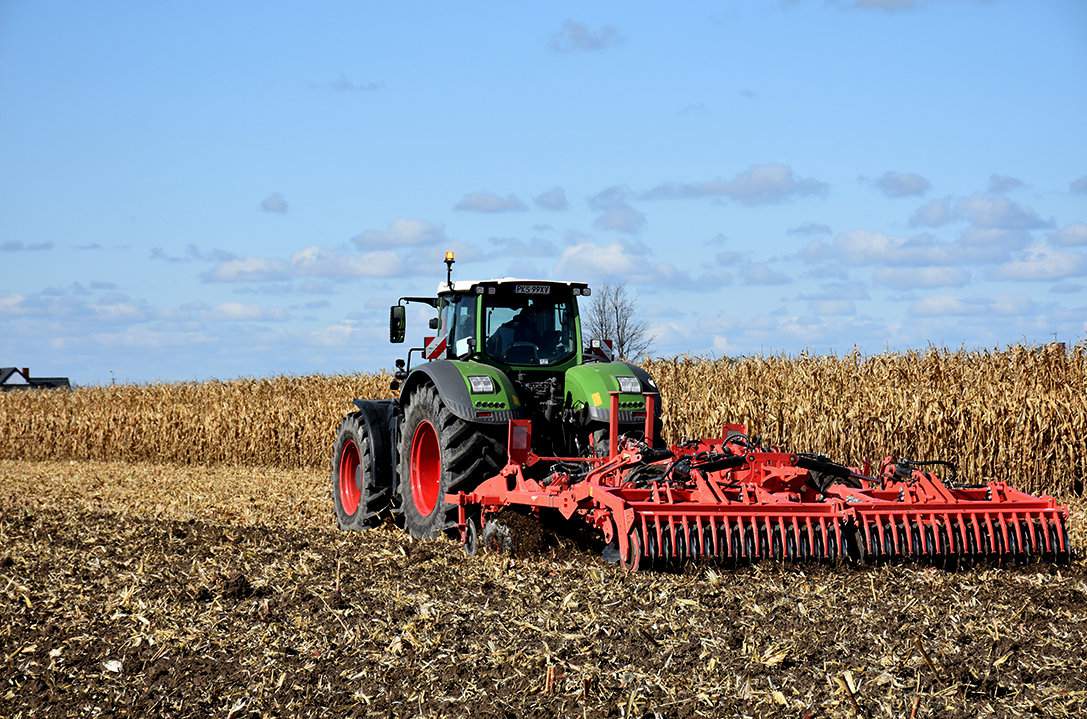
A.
pixel 440 454
pixel 356 499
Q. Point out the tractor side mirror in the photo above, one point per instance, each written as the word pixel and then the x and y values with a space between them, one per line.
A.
pixel 397 323
pixel 433 324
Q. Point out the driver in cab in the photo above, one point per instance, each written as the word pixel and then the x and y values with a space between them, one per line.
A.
pixel 517 339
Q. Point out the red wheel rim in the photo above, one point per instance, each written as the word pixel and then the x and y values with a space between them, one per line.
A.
pixel 349 467
pixel 426 468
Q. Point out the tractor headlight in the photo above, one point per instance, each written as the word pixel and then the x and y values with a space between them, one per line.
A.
pixel 629 385
pixel 481 385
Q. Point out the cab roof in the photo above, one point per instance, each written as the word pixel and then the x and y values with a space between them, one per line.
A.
pixel 467 285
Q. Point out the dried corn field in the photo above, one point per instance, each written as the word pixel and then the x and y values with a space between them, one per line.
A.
pixel 136 589
pixel 1017 415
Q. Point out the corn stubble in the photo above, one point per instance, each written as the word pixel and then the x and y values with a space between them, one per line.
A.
pixel 134 589
pixel 1018 415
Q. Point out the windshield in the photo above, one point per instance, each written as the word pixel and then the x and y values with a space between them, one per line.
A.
pixel 529 330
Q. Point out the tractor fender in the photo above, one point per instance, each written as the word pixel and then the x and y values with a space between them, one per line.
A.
pixel 601 412
pixel 450 383
pixel 382 420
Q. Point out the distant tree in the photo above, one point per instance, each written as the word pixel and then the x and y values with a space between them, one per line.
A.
pixel 613 315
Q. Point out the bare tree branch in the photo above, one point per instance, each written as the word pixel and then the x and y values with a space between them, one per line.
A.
pixel 613 315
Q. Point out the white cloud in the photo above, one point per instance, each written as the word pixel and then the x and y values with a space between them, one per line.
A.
pixel 809 228
pixel 553 199
pixel 319 262
pixel 238 311
pixel 514 247
pixel 934 213
pixel 116 311
pixel 616 261
pixel 402 232
pixel 982 211
pixel 762 273
pixel 490 203
pixel 344 84
pixel 620 219
pixel 15 246
pixel 337 335
pixel 942 305
pixel 901 184
pixel 274 203
pixel 615 212
pixel 1078 186
pixel 574 36
pixel 916 277
pixel 834 307
pixel 998 212
pixel 1070 235
pixel 248 269
pixel 609 260
pixel 757 185
pixel 865 247
pixel 999 184
pixel 1042 262
pixel 11 304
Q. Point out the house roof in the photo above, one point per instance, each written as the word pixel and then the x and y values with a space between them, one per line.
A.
pixel 13 378
pixel 7 372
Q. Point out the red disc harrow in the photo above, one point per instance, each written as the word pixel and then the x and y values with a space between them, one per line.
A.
pixel 731 501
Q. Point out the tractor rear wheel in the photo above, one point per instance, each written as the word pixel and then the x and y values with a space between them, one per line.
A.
pixel 440 454
pixel 357 500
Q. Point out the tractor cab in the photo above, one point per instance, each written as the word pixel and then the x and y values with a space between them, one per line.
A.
pixel 509 322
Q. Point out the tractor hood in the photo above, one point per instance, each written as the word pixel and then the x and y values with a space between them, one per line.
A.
pixel 589 385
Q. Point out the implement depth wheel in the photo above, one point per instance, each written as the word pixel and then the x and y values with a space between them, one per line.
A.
pixel 356 499
pixel 440 454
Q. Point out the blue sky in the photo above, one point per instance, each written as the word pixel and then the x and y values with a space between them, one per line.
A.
pixel 192 190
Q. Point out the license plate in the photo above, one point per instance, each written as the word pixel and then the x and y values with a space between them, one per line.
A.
pixel 532 289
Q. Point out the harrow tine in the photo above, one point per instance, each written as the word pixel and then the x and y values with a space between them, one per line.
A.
pixel 779 540
pixel 881 550
pixel 794 534
pixel 751 545
pixel 1004 537
pixel 1049 548
pixel 709 544
pixel 726 530
pixel 894 536
pixel 1062 534
pixel 1021 544
pixel 811 536
pixel 991 550
pixel 977 535
pixel 837 541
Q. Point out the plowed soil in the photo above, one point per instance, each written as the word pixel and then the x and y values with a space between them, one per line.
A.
pixel 141 590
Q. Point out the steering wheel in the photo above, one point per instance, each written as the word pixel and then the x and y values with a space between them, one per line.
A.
pixel 522 353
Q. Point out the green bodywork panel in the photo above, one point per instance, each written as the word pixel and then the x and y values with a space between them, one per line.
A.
pixel 504 396
pixel 591 384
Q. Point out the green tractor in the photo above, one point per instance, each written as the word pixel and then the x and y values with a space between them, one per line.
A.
pixel 501 350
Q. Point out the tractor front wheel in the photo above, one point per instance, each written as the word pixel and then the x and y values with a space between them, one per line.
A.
pixel 440 454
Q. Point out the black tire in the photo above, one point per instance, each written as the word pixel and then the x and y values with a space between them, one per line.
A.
pixel 461 455
pixel 357 501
